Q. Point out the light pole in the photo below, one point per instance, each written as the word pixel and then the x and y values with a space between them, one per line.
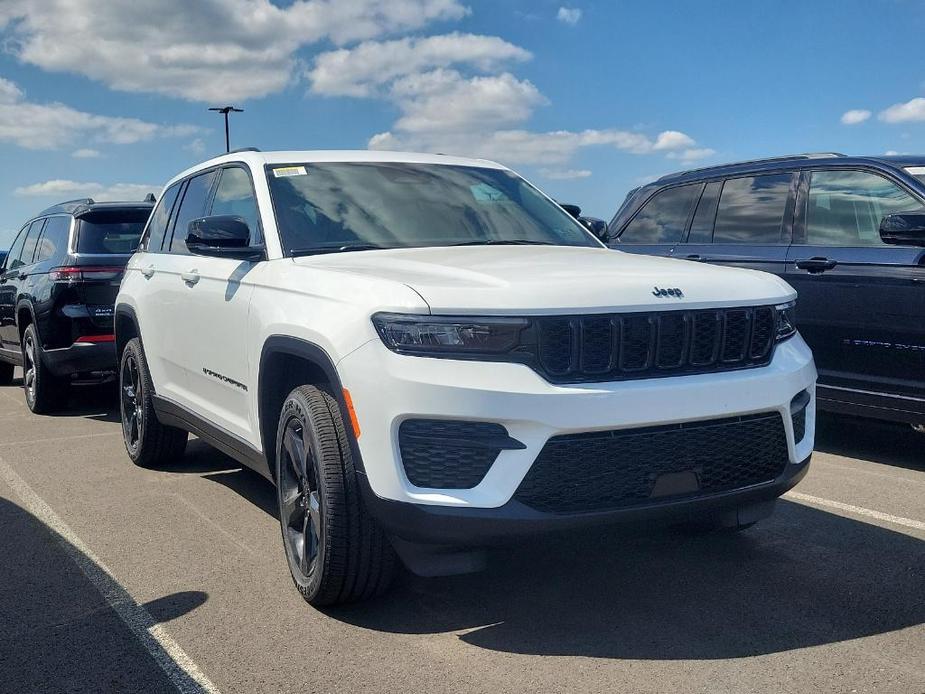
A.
pixel 225 110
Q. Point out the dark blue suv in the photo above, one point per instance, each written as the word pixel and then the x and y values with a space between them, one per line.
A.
pixel 847 232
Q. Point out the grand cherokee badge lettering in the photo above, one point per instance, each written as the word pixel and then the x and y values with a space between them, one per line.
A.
pixel 672 291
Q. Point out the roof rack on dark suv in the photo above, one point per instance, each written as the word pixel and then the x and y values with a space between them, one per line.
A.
pixel 846 231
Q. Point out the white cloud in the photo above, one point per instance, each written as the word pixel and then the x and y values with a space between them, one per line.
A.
pixel 912 110
pixel 569 15
pixel 692 154
pixel 564 174
pixel 86 153
pixel 53 125
pixel 197 146
pixel 63 188
pixel 855 116
pixel 671 140
pixel 208 50
pixel 359 71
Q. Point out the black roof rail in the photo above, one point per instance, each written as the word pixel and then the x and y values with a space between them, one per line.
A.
pixel 150 198
pixel 67 206
pixel 748 162
pixel 242 149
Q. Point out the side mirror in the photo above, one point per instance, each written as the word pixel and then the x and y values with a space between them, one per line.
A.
pixel 904 228
pixel 598 227
pixel 222 236
pixel 573 210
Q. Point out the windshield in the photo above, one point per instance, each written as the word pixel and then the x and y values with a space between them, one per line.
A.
pixel 111 232
pixel 355 206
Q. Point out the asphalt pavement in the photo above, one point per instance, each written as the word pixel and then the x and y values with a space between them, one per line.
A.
pixel 118 579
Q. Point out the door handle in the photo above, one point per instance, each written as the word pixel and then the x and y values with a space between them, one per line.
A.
pixel 190 277
pixel 816 265
pixel 148 271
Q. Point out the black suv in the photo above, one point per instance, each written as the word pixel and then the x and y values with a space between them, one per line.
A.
pixel 846 232
pixel 58 284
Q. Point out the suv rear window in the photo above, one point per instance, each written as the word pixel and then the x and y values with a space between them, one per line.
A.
pixel 751 209
pixel 111 232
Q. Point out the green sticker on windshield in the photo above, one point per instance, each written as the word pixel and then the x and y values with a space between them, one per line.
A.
pixel 483 192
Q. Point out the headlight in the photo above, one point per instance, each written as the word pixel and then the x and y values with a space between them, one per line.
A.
pixel 444 335
pixel 786 327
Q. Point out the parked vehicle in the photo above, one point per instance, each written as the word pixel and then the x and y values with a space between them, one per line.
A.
pixel 427 355
pixel 846 232
pixel 57 288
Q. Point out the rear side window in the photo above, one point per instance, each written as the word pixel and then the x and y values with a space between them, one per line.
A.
pixel 192 207
pixel 28 249
pixel 53 244
pixel 235 196
pixel 157 227
pixel 111 231
pixel 751 209
pixel 664 218
pixel 702 226
pixel 844 208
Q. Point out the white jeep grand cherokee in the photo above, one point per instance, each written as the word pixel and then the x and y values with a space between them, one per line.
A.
pixel 427 355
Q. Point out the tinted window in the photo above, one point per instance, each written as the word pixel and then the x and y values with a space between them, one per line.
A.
pixel 751 210
pixel 702 226
pixel 111 231
pixel 28 249
pixel 157 226
pixel 235 196
pixel 329 206
pixel 16 249
pixel 53 243
pixel 192 207
pixel 664 218
pixel 845 207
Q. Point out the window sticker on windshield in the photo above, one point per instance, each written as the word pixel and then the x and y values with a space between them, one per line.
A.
pixel 483 192
pixel 284 171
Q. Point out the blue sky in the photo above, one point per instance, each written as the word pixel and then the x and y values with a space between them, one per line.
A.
pixel 587 99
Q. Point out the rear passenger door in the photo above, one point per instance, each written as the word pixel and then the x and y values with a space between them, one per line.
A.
pixel 660 223
pixel 9 287
pixel 744 221
pixel 17 279
pixel 861 302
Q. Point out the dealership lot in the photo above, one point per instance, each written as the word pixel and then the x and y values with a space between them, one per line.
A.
pixel 121 579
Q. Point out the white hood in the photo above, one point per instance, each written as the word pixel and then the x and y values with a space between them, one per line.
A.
pixel 544 279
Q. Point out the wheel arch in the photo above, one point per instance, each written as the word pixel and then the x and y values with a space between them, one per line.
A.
pixel 25 316
pixel 285 363
pixel 125 326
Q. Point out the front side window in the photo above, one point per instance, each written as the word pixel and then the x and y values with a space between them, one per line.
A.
pixel 111 231
pixel 12 258
pixel 28 249
pixel 192 207
pixel 325 207
pixel 157 226
pixel 53 243
pixel 844 208
pixel 751 209
pixel 235 196
pixel 663 218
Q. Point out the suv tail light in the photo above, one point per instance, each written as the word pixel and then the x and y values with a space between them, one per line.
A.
pixel 84 273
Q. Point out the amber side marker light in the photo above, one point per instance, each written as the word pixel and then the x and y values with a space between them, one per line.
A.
pixel 354 422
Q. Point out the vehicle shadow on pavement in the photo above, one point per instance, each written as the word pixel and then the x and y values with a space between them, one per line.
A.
pixel 887 443
pixel 802 578
pixel 57 632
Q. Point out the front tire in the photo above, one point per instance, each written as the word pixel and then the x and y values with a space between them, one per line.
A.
pixel 335 550
pixel 148 442
pixel 45 392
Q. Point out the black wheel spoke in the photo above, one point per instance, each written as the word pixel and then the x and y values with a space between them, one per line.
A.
pixel 307 546
pixel 295 447
pixel 290 508
pixel 314 513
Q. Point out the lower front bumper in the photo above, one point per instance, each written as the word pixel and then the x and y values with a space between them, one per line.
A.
pixel 81 358
pixel 475 527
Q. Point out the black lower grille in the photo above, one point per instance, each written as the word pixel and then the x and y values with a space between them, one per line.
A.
pixel 597 471
pixel 444 454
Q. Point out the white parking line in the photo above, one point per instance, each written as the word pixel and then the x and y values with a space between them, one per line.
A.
pixel 167 653
pixel 856 510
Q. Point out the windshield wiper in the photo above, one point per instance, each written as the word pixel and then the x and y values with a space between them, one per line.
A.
pixel 320 250
pixel 505 242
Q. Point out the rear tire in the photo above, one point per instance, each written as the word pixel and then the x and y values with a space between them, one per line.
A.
pixel 336 552
pixel 147 442
pixel 45 392
pixel 6 373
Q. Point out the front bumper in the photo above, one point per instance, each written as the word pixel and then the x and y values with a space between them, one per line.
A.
pixel 81 357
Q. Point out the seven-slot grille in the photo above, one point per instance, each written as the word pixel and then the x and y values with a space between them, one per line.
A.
pixel 648 345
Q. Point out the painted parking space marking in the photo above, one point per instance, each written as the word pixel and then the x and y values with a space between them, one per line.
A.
pixel 856 510
pixel 183 673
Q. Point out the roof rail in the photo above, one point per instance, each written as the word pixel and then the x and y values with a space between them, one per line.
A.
pixel 150 198
pixel 67 206
pixel 767 160
pixel 242 149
